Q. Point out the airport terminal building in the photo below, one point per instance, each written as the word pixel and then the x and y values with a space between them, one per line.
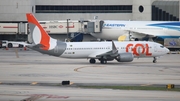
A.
pixel 13 20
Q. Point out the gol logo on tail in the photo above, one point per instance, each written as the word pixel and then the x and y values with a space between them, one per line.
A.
pixel 138 49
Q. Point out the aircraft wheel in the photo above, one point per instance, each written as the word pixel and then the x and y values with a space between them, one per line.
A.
pixel 103 62
pixel 92 61
pixel 155 60
pixel 136 39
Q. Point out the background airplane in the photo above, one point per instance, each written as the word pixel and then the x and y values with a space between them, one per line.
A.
pixel 138 30
pixel 103 51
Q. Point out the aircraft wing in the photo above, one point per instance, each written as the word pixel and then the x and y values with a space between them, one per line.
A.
pixel 137 33
pixel 111 53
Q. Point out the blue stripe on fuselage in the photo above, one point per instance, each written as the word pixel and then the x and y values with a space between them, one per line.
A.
pixel 161 38
pixel 169 25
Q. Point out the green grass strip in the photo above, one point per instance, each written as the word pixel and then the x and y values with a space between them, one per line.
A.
pixel 133 88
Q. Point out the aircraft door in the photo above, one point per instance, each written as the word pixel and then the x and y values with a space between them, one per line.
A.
pixel 155 48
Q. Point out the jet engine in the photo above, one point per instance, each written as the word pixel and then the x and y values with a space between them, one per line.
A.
pixel 125 57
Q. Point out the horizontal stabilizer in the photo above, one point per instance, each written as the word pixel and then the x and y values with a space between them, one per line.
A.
pixel 40 46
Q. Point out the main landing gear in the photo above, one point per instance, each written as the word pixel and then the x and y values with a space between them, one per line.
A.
pixel 102 61
pixel 92 61
pixel 154 60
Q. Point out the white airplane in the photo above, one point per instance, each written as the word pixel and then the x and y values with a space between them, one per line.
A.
pixel 138 30
pixel 103 51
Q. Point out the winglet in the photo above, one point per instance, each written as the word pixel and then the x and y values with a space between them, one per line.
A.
pixel 39 35
pixel 114 49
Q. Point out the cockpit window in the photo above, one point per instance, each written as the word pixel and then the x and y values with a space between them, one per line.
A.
pixel 162 46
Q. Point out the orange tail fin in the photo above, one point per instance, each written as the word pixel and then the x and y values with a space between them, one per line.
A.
pixel 39 35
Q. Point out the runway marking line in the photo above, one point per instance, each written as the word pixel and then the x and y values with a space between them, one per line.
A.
pixel 77 69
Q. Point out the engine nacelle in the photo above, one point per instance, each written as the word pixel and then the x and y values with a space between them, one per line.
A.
pixel 125 57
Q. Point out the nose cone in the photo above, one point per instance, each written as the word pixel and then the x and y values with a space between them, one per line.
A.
pixel 167 50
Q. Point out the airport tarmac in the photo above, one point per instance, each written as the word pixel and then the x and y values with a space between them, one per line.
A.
pixel 32 67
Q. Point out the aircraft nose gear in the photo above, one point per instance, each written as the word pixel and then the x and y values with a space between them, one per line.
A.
pixel 92 61
pixel 154 60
